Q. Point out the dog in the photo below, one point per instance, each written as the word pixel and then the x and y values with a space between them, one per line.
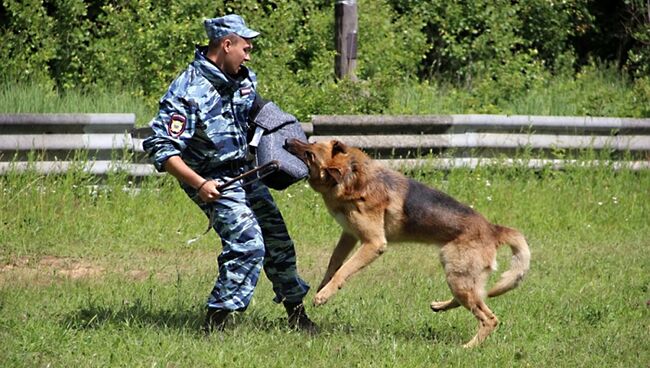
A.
pixel 375 205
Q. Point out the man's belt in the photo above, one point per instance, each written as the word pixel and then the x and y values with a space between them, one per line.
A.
pixel 232 165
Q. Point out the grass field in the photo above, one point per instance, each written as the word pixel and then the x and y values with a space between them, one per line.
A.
pixel 101 275
pixel 595 91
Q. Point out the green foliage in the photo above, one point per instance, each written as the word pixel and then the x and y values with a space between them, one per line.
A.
pixel 295 57
pixel 146 43
pixel 470 38
pixel 641 97
pixel 547 27
pixel 294 52
pixel 499 51
pixel 72 29
pixel 28 43
pixel 490 55
pixel 638 25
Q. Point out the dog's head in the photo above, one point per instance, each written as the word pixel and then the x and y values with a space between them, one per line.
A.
pixel 330 163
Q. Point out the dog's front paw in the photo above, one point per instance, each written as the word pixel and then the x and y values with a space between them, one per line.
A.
pixel 322 297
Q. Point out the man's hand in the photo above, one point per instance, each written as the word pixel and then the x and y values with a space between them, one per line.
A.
pixel 206 188
pixel 208 191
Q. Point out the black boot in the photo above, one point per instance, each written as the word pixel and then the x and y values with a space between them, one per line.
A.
pixel 298 319
pixel 215 320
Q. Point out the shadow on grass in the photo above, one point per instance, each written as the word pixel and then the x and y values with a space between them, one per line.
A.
pixel 434 332
pixel 133 315
pixel 141 315
pixel 190 320
pixel 447 336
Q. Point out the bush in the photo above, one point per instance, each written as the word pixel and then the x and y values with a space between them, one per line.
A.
pixel 28 43
pixel 638 24
pixel 144 44
pixel 641 97
pixel 494 52
pixel 296 57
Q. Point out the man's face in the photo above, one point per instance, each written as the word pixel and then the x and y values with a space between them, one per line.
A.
pixel 237 53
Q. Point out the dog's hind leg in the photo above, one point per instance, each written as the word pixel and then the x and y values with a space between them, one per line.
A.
pixel 448 257
pixel 467 271
pixel 343 248
pixel 468 290
pixel 487 321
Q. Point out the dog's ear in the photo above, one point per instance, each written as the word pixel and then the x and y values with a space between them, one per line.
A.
pixel 337 173
pixel 338 147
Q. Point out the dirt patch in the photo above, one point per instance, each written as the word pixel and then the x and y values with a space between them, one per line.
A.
pixel 69 267
pixel 48 269
pixel 138 275
pixel 164 266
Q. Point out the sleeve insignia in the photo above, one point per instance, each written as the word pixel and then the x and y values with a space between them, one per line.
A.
pixel 176 126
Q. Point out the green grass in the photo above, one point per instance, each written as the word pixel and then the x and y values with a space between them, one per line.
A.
pixel 32 98
pixel 594 91
pixel 102 276
pixel 597 90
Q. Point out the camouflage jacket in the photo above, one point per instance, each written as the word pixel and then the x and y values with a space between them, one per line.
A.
pixel 203 117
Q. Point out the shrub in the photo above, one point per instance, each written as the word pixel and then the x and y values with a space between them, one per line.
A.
pixel 491 53
pixel 28 43
pixel 641 97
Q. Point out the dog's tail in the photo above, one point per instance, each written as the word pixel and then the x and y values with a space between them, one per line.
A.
pixel 519 264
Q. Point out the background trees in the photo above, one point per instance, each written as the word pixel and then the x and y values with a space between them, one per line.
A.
pixel 497 49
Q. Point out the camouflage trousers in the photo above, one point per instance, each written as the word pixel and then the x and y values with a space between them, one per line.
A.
pixel 253 235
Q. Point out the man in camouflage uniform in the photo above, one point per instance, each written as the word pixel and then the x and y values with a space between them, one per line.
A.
pixel 200 137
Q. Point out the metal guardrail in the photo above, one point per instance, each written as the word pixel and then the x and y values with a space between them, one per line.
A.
pixel 65 123
pixel 438 124
pixel 54 143
pixel 479 131
pixel 110 142
pixel 470 140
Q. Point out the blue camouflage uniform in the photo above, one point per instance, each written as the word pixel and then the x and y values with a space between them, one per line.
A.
pixel 203 118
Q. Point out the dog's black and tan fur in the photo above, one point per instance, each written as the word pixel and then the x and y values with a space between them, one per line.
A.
pixel 375 205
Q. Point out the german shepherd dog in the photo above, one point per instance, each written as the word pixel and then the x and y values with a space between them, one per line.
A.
pixel 375 205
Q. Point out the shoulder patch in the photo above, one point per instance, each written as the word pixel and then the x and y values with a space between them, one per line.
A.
pixel 245 91
pixel 176 126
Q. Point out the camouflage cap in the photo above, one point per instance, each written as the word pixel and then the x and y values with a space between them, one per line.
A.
pixel 232 23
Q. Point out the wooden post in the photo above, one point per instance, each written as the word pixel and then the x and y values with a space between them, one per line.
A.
pixel 345 13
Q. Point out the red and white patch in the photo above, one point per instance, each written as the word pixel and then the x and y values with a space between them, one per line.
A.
pixel 245 91
pixel 176 126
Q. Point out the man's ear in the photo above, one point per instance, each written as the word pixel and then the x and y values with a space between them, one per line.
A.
pixel 338 147
pixel 226 44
